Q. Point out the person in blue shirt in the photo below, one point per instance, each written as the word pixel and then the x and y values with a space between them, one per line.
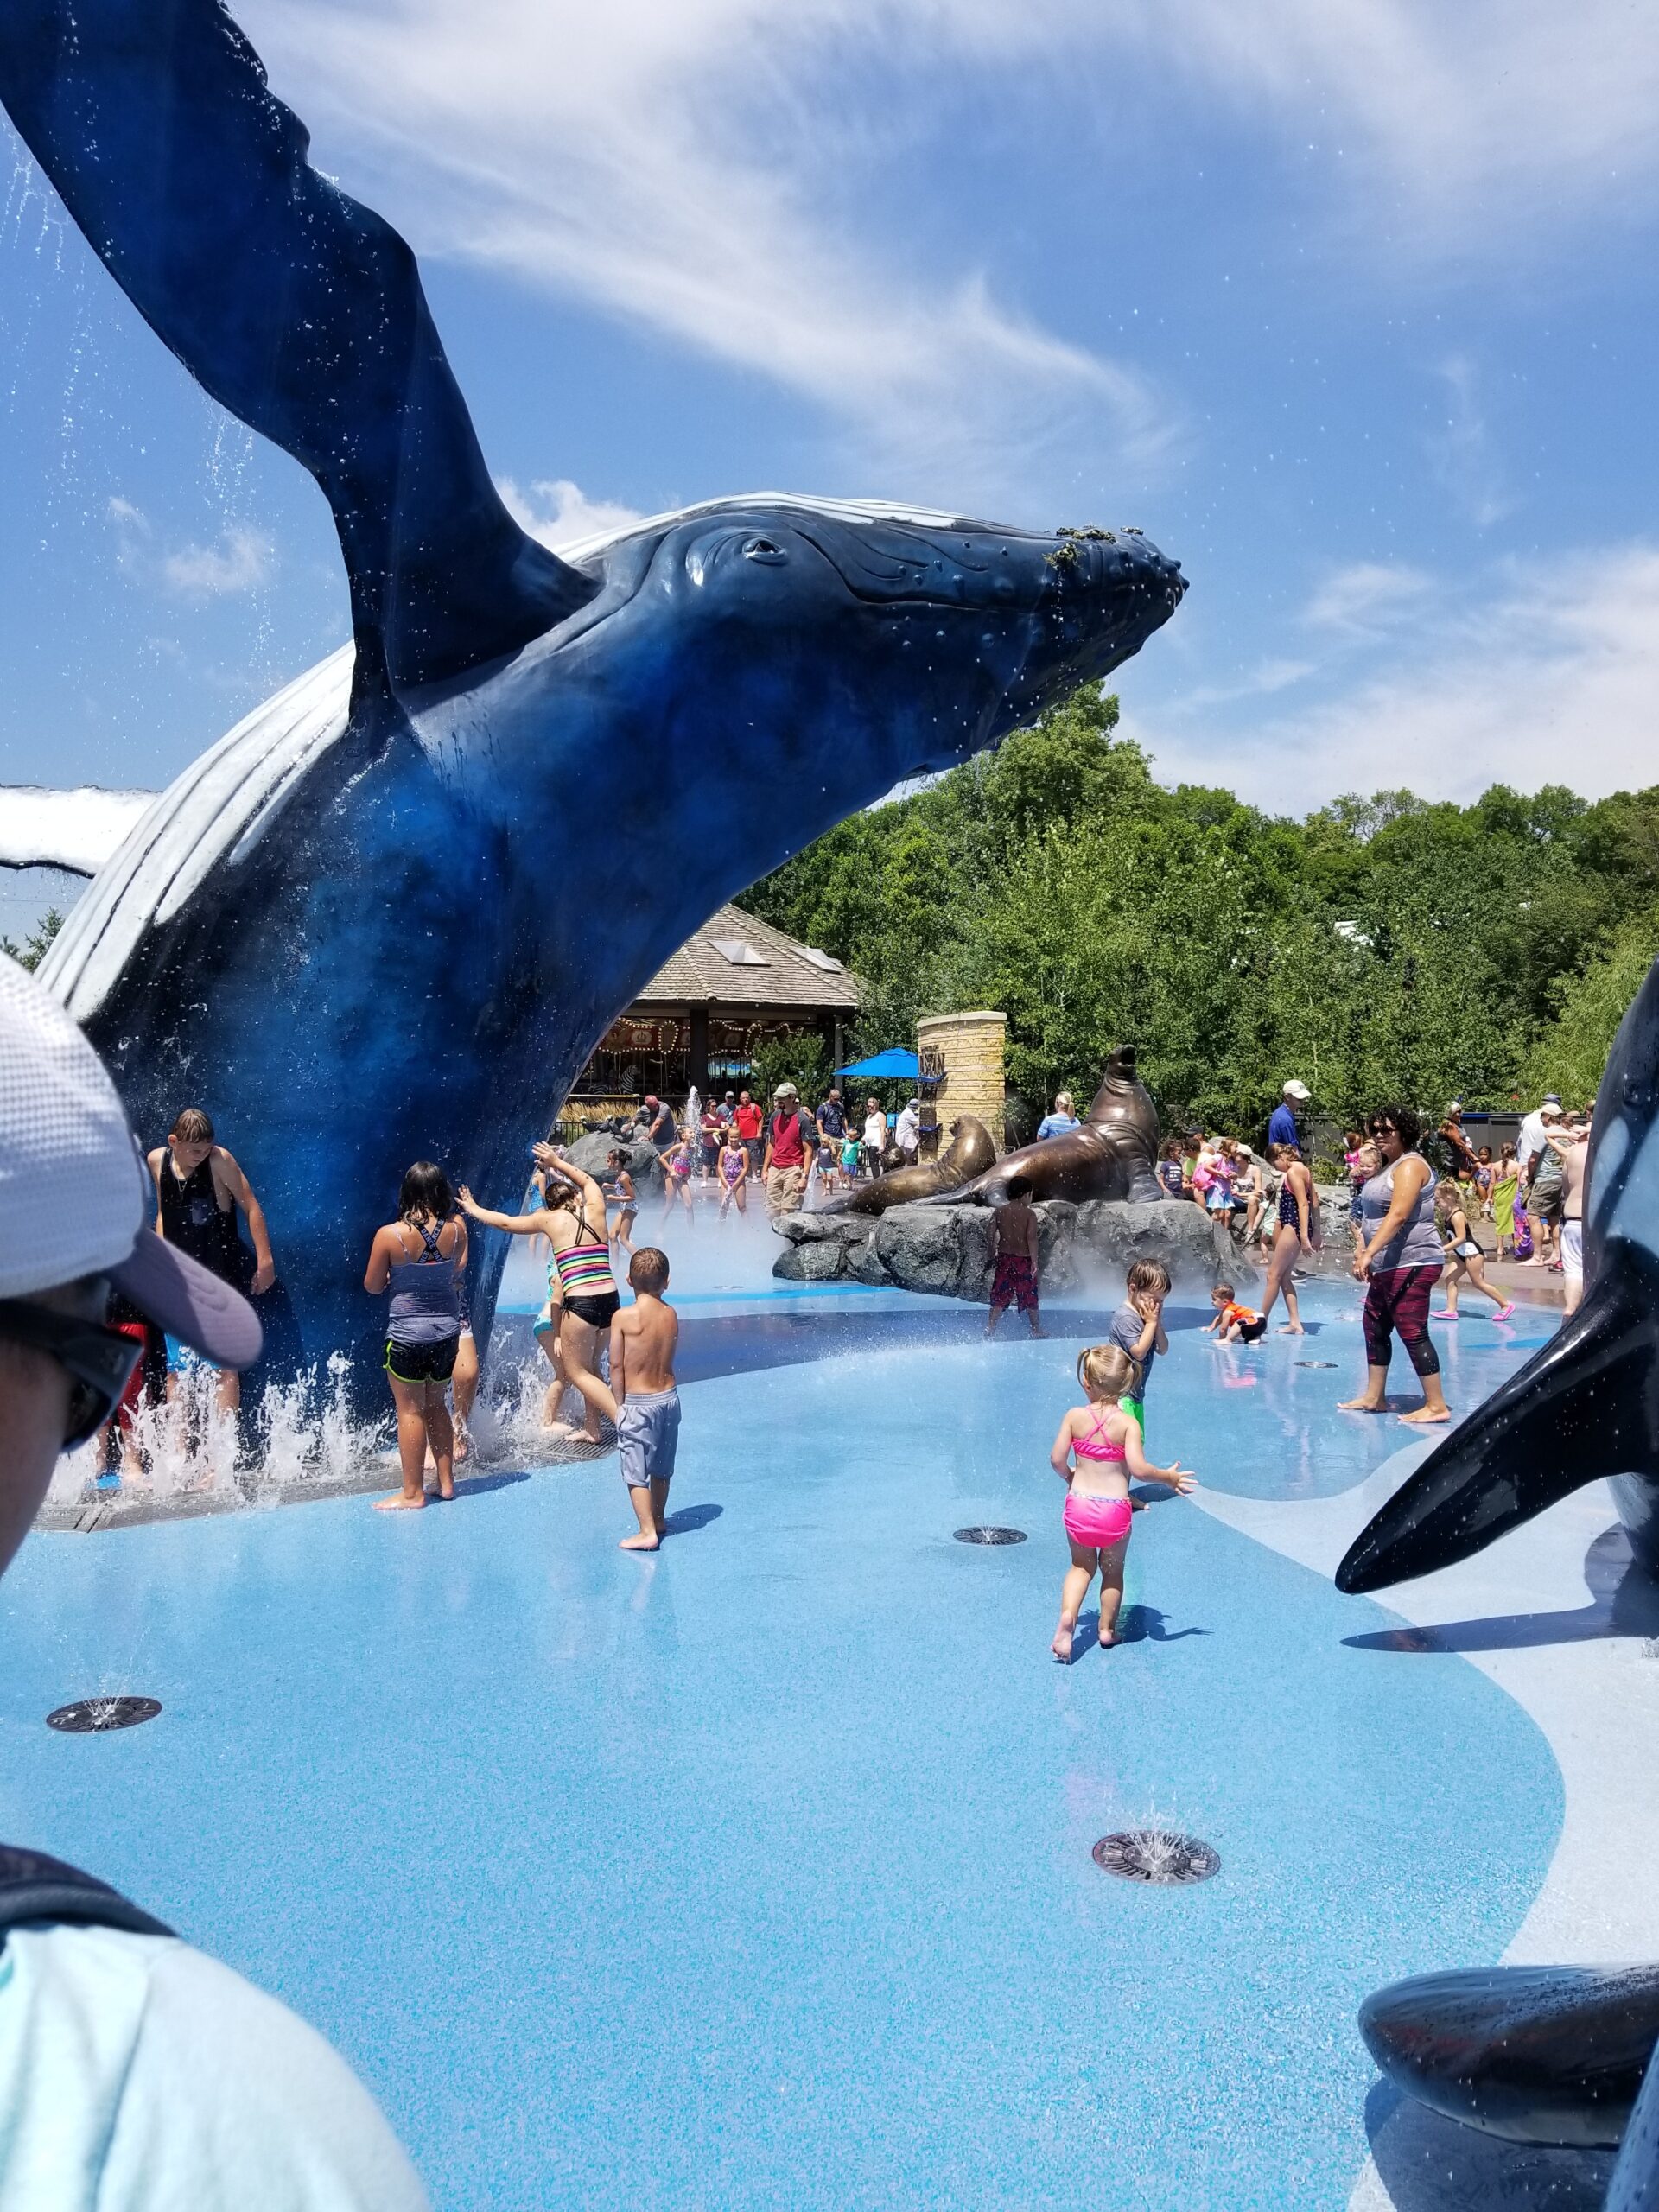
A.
pixel 1062 1119
pixel 1281 1129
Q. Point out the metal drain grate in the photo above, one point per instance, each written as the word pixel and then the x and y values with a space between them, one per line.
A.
pixel 1156 1855
pixel 990 1536
pixel 1314 1363
pixel 93 1716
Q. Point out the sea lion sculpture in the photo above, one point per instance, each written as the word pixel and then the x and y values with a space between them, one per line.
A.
pixel 1111 1156
pixel 1587 1404
pixel 366 927
pixel 971 1152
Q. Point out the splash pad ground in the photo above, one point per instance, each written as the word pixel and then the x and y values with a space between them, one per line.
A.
pixel 760 1873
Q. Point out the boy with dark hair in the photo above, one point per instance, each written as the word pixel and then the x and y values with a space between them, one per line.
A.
pixel 643 1340
pixel 1017 1229
pixel 1234 1323
pixel 1138 1327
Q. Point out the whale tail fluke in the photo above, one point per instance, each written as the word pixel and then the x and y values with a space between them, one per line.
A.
pixel 1587 1405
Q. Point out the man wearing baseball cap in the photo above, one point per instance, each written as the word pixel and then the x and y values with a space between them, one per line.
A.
pixel 1282 1127
pixel 134 2070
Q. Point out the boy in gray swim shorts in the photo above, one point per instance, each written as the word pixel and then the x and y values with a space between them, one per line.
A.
pixel 643 1340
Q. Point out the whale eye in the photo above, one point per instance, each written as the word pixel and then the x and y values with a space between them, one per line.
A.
pixel 762 548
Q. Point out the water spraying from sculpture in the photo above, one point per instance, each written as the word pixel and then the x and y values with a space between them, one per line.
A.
pixel 368 926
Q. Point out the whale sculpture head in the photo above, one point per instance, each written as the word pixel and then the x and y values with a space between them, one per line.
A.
pixel 861 644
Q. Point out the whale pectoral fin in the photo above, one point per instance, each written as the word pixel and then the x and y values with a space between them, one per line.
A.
pixel 1533 2053
pixel 297 307
pixel 1587 1405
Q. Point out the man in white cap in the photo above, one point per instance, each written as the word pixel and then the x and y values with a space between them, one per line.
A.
pixel 791 1139
pixel 1281 1128
pixel 134 2072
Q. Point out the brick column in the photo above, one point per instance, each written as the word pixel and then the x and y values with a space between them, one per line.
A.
pixel 968 1048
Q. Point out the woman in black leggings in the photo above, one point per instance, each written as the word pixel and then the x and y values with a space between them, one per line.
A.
pixel 1399 1258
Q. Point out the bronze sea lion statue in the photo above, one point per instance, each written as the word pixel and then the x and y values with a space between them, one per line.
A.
pixel 1111 1156
pixel 971 1152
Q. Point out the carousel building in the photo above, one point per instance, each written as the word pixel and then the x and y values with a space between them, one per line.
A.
pixel 737 984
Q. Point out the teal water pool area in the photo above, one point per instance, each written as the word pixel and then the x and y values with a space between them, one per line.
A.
pixel 758 1872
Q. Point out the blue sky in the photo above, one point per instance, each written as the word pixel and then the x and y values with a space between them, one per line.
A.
pixel 1349 303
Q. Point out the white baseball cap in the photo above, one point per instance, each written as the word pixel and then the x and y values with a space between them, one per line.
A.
pixel 76 1198
pixel 1295 1090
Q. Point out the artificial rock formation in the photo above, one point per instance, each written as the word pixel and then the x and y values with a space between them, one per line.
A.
pixel 951 1249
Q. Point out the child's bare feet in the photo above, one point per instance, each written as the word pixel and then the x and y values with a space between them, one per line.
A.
pixel 463 1444
pixel 1425 1414
pixel 639 1543
pixel 1361 1405
pixel 447 1492
pixel 1292 1329
pixel 1061 1646
pixel 400 1503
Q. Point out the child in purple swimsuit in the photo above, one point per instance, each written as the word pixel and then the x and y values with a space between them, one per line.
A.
pixel 1098 1448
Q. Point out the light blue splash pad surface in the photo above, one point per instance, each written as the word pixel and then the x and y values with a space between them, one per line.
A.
pixel 759 1874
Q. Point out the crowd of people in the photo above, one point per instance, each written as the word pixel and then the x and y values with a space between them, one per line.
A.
pixel 724 1148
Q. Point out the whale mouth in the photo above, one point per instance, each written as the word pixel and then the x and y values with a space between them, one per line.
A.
pixel 988 569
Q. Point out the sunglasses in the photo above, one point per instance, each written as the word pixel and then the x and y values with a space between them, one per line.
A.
pixel 97 1361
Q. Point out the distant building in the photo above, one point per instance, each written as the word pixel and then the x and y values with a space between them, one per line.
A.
pixel 736 983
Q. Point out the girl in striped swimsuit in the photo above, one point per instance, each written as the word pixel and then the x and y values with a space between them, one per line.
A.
pixel 581 1294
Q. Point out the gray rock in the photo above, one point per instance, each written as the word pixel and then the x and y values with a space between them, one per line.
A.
pixel 920 1248
pixel 591 1154
pixel 864 1263
pixel 814 1263
pixel 951 1250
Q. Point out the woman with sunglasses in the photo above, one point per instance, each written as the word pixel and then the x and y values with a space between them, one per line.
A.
pixel 1399 1259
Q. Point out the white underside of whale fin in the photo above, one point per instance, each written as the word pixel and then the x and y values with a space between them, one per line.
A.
pixel 212 816
pixel 77 830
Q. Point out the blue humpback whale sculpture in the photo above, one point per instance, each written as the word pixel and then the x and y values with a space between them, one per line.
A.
pixel 1587 1404
pixel 390 915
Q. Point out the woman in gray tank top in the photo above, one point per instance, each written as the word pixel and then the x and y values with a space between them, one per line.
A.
pixel 1399 1259
pixel 419 1258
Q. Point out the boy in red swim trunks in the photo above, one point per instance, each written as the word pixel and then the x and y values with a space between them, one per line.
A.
pixel 1015 1281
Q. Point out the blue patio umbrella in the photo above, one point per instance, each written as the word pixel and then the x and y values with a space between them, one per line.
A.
pixel 894 1065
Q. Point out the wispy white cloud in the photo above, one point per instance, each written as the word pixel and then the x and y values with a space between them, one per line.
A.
pixel 1262 682
pixel 676 166
pixel 1453 126
pixel 1366 598
pixel 1461 450
pixel 241 561
pixel 559 513
pixel 1550 678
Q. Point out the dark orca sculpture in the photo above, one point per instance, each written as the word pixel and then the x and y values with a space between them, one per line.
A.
pixel 1112 1155
pixel 970 1153
pixel 1536 2054
pixel 1587 1403
pixel 388 916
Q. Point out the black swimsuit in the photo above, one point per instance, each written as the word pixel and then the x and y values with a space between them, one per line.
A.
pixel 194 1221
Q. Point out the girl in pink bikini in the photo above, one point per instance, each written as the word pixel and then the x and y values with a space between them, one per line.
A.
pixel 1098 1450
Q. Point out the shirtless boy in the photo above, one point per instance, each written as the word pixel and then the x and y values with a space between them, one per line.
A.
pixel 643 1339
pixel 1017 1230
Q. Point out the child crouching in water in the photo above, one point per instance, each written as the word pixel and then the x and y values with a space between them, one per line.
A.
pixel 643 1340
pixel 1234 1323
pixel 1103 1444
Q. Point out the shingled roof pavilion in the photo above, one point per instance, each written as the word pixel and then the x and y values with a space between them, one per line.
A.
pixel 737 983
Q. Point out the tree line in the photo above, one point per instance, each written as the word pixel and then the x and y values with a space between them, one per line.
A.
pixel 1384 949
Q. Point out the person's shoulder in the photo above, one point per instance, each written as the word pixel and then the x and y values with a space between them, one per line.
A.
pixel 169 2078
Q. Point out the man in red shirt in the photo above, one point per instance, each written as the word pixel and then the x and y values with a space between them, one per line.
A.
pixel 749 1119
pixel 785 1169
